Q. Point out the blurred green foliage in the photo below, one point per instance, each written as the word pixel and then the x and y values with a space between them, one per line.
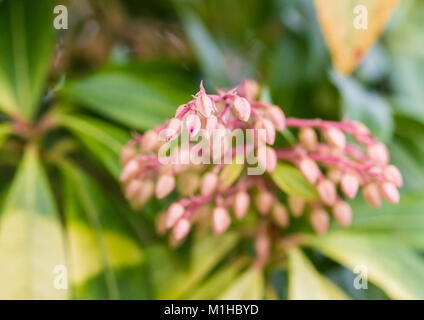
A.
pixel 69 105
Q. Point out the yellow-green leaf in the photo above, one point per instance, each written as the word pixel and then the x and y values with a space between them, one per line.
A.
pixel 289 179
pixel 391 265
pixel 343 25
pixel 229 174
pixel 306 283
pixel 31 239
pixel 249 286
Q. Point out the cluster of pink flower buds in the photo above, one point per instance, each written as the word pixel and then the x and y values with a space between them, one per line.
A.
pixel 208 197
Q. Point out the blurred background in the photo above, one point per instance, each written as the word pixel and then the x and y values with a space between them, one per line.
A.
pixel 69 100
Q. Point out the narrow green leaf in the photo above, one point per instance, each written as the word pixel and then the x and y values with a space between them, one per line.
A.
pixel 290 180
pixel 104 255
pixel 306 283
pixel 392 266
pixel 5 130
pixel 249 286
pixel 31 239
pixel 26 40
pixel 122 97
pixel 229 174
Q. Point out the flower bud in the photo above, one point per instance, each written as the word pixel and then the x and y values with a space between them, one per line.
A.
pixel 209 183
pixel 193 125
pixel 320 220
pixel 264 201
pixel 220 220
pixel 249 89
pixel 342 212
pixel 296 205
pixel 144 194
pixel 129 170
pixel 267 158
pixel 204 105
pixel 280 215
pixel 241 204
pixel 335 138
pixel 149 141
pixel 181 229
pixel 392 174
pixel 378 153
pixel 361 128
pixel 350 185
pixel 132 188
pixel 160 223
pixel 308 138
pixel 390 192
pixel 309 169
pixel 173 129
pixel 262 245
pixel 372 195
pixel 241 108
pixel 334 174
pixel 175 212
pixel 165 185
pixel 269 128
pixel 179 110
pixel 127 153
pixel 327 192
pixel 211 124
pixel 276 116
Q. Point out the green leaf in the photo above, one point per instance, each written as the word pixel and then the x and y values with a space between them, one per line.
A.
pixel 249 286
pixel 306 283
pixel 365 106
pixel 106 261
pixel 172 280
pixel 229 174
pixel 26 40
pixel 122 97
pixel 391 265
pixel 5 130
pixel 31 239
pixel 289 179
pixel 102 139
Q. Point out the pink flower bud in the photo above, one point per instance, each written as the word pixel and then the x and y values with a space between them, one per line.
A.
pixel 209 183
pixel 165 185
pixel 179 110
pixel 392 174
pixel 144 194
pixel 334 174
pixel 220 220
pixel 269 128
pixel 308 138
pixel 160 223
pixel 193 124
pixel 267 158
pixel 350 185
pixel 296 205
pixel 129 170
pixel 241 204
pixel 361 128
pixel 372 195
pixel 149 141
pixel 342 213
pixel 241 108
pixel 378 153
pixel 264 201
pixel 262 245
pixel 211 124
pixel 390 192
pixel 127 153
pixel 204 105
pixel 175 212
pixel 310 170
pixel 335 138
pixel 249 89
pixel 320 221
pixel 327 192
pixel 132 188
pixel 280 215
pixel 173 129
pixel 276 116
pixel 181 229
